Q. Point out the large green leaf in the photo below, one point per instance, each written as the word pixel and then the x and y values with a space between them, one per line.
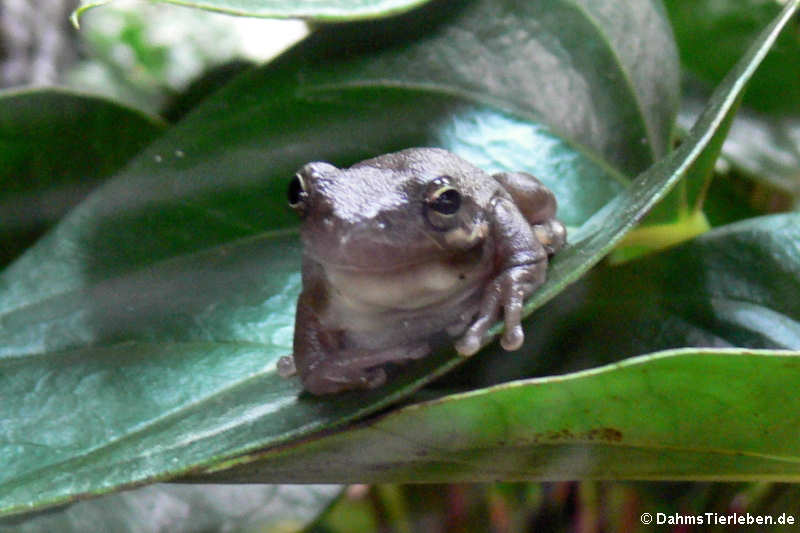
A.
pixel 98 418
pixel 318 10
pixel 602 73
pixel 687 414
pixel 55 146
pixel 201 396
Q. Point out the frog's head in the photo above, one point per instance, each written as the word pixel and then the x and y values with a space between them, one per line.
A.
pixel 403 209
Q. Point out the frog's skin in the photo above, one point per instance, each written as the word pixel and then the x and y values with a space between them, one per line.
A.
pixel 404 246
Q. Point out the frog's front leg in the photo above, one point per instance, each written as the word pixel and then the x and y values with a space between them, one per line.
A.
pixel 538 205
pixel 522 266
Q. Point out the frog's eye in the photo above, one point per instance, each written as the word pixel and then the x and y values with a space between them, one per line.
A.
pixel 298 195
pixel 445 200
pixel 442 203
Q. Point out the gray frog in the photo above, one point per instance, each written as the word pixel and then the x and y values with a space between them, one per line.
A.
pixel 401 247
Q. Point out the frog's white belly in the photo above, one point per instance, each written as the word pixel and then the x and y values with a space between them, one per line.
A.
pixel 414 301
pixel 410 288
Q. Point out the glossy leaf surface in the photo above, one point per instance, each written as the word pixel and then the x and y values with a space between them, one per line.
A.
pixel 576 66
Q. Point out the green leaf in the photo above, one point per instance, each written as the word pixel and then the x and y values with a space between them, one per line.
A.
pixel 55 146
pixel 687 414
pixel 240 293
pixel 765 148
pixel 161 254
pixel 712 35
pixel 734 286
pixel 317 10
pixel 731 287
pixel 186 509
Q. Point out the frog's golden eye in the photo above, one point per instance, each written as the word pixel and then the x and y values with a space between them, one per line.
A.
pixel 442 203
pixel 297 193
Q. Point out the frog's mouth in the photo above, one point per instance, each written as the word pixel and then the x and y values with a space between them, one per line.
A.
pixel 378 256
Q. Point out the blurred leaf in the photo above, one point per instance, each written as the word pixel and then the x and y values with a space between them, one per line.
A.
pixel 179 105
pixel 186 509
pixel 318 10
pixel 763 147
pixel 732 198
pixel 687 414
pixel 712 35
pixel 705 293
pixel 160 254
pixel 55 146
pixel 147 54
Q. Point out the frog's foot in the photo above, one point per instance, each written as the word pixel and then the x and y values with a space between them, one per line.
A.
pixel 362 359
pixel 330 379
pixel 551 234
pixel 508 291
pixel 358 369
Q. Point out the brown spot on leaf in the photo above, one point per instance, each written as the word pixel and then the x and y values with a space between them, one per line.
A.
pixel 599 434
pixel 606 434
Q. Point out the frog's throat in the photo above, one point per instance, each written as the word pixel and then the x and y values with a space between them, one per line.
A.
pixel 411 287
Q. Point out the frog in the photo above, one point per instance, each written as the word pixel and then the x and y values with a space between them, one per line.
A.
pixel 407 246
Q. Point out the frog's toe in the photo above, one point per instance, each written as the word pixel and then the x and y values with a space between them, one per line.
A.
pixel 512 338
pixel 552 235
pixel 468 345
pixel 286 366
pixel 512 316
